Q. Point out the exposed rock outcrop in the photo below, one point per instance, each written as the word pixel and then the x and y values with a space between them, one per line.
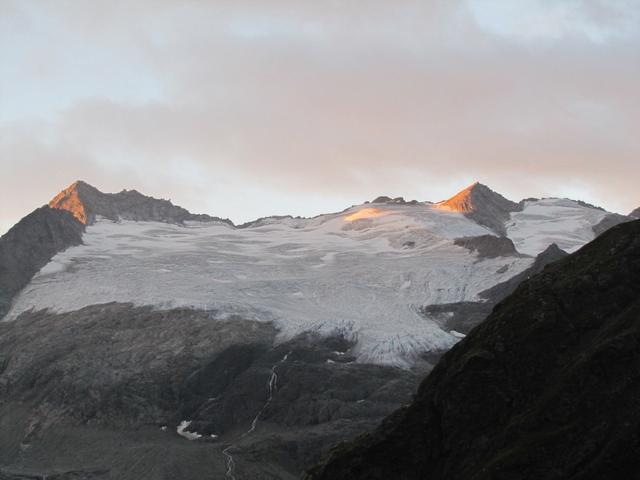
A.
pixel 635 213
pixel 488 246
pixel 546 388
pixel 396 200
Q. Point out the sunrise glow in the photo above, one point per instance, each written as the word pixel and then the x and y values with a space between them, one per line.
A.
pixel 366 213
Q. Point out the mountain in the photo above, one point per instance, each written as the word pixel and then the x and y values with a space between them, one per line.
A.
pixel 482 205
pixel 635 213
pixel 546 387
pixel 366 271
pixel 87 203
pixel 141 341
pixel 382 272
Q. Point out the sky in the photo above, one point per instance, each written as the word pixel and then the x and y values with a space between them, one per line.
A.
pixel 249 108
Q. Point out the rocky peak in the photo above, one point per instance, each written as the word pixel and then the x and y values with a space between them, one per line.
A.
pixel 396 200
pixel 635 213
pixel 72 199
pixel 86 202
pixel 481 204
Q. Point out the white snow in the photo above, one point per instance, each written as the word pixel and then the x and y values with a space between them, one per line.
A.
pixel 182 431
pixel 365 278
pixel 552 220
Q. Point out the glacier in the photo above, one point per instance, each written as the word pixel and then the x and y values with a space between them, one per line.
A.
pixel 363 272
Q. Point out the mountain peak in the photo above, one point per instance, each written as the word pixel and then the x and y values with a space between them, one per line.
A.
pixel 71 199
pixel 466 200
pixel 86 203
pixel 635 213
pixel 481 204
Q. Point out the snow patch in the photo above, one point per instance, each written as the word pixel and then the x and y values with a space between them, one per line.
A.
pixel 182 431
pixel 552 220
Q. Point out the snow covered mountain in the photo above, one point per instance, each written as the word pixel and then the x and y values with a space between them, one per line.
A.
pixel 367 272
pixel 141 341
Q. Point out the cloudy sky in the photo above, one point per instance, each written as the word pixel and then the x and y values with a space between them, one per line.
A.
pixel 247 108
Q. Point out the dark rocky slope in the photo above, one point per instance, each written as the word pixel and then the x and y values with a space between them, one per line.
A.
pixel 488 246
pixel 610 220
pixel 29 246
pixel 85 394
pixel 548 387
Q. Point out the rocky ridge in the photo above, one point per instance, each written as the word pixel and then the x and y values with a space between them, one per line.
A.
pixel 86 203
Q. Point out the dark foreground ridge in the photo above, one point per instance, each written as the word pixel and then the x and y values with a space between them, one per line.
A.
pixel 548 387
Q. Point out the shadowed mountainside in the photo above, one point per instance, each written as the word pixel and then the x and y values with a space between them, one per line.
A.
pixel 546 388
pixel 99 393
pixel 610 220
pixel 29 246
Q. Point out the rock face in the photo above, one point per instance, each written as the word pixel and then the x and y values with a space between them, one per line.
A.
pixel 546 388
pixel 481 204
pixel 86 202
pixel 30 244
pixel 85 394
pixel 635 213
pixel 396 200
pixel 488 246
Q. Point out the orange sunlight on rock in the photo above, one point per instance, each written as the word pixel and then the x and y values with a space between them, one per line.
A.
pixel 461 202
pixel 366 213
pixel 69 200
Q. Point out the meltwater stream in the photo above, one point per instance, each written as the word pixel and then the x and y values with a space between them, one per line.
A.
pixel 271 386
